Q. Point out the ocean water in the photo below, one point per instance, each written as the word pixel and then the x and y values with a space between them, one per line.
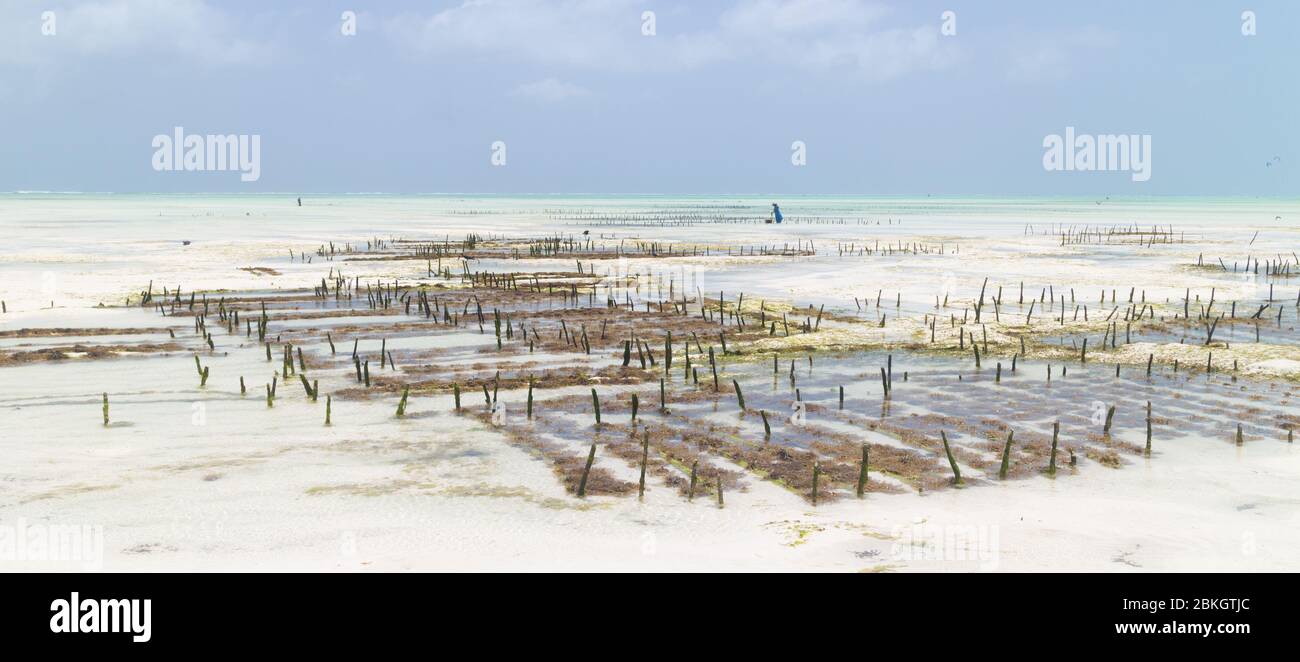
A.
pixel 84 249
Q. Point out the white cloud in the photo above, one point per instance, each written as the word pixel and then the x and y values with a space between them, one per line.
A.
pixel 586 33
pixel 832 34
pixel 550 90
pixel 766 17
pixel 117 28
pixel 605 35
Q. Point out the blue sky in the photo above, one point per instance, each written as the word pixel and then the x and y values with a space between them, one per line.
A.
pixel 710 104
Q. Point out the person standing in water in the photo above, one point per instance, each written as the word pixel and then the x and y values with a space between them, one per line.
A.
pixel 776 213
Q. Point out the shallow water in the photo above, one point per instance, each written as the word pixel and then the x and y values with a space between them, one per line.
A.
pixel 207 478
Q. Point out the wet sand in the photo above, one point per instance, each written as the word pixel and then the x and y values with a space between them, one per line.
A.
pixel 208 477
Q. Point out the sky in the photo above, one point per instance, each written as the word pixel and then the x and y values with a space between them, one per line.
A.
pixel 885 97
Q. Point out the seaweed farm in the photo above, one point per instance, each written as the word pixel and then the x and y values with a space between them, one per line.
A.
pixel 876 384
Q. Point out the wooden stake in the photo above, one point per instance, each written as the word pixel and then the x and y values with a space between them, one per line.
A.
pixel 203 372
pixel 645 457
pixel 401 406
pixel 668 352
pixel 582 484
pixel 1006 456
pixel 956 473
pixel 862 473
pixel 1148 449
pixel 1056 432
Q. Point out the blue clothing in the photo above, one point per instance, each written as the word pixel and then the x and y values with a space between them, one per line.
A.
pixel 776 211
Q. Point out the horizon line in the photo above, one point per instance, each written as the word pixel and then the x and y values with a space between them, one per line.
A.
pixel 650 194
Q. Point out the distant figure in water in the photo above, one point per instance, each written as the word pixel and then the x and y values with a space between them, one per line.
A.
pixel 776 213
pixel 299 202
